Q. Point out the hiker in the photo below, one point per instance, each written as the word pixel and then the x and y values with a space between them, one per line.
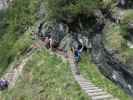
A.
pixel 43 39
pixel 77 53
pixel 65 53
pixel 51 42
pixel 47 42
pixel 3 84
pixel 55 44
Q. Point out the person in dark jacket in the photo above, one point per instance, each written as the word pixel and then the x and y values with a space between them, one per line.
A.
pixel 77 57
pixel 77 54
pixel 3 84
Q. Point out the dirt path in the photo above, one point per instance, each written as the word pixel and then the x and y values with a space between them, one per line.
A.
pixel 12 75
pixel 15 70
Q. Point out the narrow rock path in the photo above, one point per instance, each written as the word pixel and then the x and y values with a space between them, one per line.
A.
pixel 91 90
pixel 12 75
pixel 16 69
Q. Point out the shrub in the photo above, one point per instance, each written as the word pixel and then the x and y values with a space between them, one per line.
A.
pixel 19 16
pixel 114 38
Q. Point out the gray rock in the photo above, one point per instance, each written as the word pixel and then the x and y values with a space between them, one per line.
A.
pixel 66 42
pixel 130 25
pixel 118 15
pixel 56 30
pixel 111 67
pixel 4 4
pixel 130 31
pixel 85 41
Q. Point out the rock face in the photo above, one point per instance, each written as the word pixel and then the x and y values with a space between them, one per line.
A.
pixel 112 68
pixel 130 29
pixel 4 4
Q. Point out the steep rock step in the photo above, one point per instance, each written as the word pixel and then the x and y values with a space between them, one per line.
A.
pixel 98 93
pixel 103 97
pixel 94 92
pixel 12 75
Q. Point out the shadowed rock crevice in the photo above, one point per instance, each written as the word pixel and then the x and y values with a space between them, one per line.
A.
pixel 111 67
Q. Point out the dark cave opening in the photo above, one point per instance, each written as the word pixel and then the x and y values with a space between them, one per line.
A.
pixel 81 22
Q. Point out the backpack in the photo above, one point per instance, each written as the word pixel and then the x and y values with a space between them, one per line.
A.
pixel 77 56
pixel 76 53
pixel 3 84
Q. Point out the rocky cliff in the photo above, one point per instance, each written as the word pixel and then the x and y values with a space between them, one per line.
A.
pixel 4 4
pixel 89 31
pixel 102 27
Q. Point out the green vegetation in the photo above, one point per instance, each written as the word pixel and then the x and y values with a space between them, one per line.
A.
pixel 45 77
pixel 15 22
pixel 113 37
pixel 12 50
pixel 60 9
pixel 127 16
pixel 128 55
pixel 42 80
pixel 90 71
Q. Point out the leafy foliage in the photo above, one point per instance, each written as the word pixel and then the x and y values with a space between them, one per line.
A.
pixel 61 8
pixel 126 18
pixel 16 20
pixel 113 37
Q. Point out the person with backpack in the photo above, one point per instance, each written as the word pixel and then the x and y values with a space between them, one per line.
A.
pixel 3 84
pixel 47 41
pixel 77 57
pixel 51 42
pixel 77 54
